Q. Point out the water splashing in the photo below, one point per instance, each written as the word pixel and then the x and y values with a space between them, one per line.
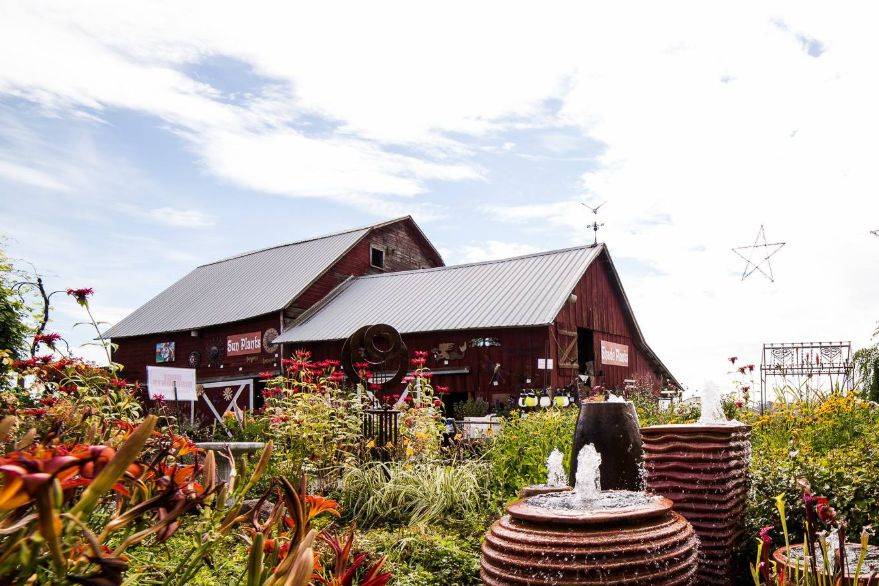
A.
pixel 712 408
pixel 588 482
pixel 611 398
pixel 556 476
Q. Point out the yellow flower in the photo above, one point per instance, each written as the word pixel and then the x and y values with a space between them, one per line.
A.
pixel 410 452
pixel 421 436
pixel 370 444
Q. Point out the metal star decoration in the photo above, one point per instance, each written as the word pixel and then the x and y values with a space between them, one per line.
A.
pixel 762 252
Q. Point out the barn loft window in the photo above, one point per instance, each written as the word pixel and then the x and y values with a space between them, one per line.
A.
pixel 376 256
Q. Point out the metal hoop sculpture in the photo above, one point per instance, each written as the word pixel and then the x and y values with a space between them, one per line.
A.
pixel 380 346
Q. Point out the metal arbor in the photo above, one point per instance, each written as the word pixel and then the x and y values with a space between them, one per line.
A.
pixel 806 364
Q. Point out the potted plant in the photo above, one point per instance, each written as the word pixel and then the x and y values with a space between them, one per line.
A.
pixel 477 420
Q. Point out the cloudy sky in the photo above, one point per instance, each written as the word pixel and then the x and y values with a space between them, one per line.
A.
pixel 140 139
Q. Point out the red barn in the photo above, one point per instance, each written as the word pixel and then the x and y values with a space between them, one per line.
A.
pixel 495 328
pixel 492 328
pixel 222 318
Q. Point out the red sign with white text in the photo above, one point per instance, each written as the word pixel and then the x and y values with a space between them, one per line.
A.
pixel 613 354
pixel 241 344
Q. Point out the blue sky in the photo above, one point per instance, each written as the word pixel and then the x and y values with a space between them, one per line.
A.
pixel 139 141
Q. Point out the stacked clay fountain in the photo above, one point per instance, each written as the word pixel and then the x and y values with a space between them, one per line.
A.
pixel 703 469
pixel 589 536
pixel 555 477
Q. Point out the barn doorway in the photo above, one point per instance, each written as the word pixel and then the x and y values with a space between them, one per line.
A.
pixel 586 352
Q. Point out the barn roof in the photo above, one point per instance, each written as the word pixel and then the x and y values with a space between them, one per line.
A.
pixel 516 292
pixel 241 287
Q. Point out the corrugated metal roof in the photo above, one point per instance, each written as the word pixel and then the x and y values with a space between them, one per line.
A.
pixel 524 291
pixel 240 287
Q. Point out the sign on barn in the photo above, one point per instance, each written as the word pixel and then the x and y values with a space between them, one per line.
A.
pixel 241 344
pixel 613 354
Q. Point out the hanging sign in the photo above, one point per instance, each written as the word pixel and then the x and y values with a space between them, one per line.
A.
pixel 613 354
pixel 241 344
pixel 161 380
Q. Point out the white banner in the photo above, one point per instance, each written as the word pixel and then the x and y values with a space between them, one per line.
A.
pixel 161 381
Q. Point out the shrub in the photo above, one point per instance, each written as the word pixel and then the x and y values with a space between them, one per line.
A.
pixel 517 454
pixel 471 408
pixel 426 555
pixel 833 445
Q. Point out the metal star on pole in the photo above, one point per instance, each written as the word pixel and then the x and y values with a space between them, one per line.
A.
pixel 763 252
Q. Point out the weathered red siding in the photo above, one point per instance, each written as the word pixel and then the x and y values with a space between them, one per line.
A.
pixel 135 354
pixel 517 355
pixel 599 307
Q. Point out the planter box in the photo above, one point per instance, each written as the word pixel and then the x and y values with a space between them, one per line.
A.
pixel 476 427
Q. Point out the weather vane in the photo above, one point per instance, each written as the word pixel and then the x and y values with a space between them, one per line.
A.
pixel 594 225
pixel 763 251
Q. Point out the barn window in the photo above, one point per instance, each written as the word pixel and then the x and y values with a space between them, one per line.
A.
pixel 376 256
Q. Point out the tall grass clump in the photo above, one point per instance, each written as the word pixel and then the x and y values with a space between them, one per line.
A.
pixel 426 493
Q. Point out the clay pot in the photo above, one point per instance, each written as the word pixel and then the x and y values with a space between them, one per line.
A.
pixel 852 551
pixel 613 429
pixel 639 546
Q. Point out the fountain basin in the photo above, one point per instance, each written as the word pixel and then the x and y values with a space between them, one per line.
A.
pixel 637 544
pixel 536 489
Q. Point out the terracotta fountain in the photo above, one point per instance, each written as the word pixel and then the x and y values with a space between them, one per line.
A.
pixel 590 536
pixel 703 469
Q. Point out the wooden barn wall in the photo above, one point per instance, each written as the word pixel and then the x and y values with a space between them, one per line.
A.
pixel 406 250
pixel 600 308
pixel 517 354
pixel 135 354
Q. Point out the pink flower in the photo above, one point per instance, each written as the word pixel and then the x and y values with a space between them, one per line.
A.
pixel 81 295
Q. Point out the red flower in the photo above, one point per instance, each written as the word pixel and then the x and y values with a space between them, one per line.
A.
pixel 266 375
pixel 733 359
pixel 337 376
pixel 437 403
pixel 825 512
pixel 81 295
pixel 739 404
pixel 751 367
pixel 35 412
pixel 67 389
pixel 442 390
pixel 47 339
pixel 418 362
pixel 159 399
pixel 119 383
pixel 765 537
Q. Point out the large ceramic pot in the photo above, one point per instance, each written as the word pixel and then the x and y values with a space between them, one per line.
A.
pixel 238 449
pixel 612 427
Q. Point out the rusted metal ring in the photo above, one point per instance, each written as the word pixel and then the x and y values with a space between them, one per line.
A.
pixel 364 345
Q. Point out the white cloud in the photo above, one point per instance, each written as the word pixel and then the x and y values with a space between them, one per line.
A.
pixel 30 176
pixel 182 218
